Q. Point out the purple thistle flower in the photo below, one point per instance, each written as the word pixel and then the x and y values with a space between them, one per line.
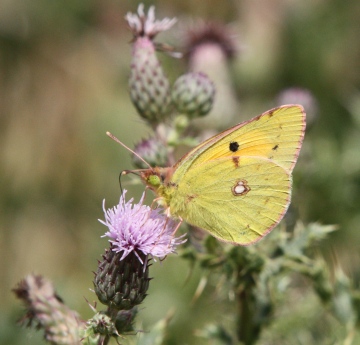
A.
pixel 138 228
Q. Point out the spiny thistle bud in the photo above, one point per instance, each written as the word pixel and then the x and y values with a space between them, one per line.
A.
pixel 104 325
pixel 100 324
pixel 152 151
pixel 46 310
pixel 149 87
pixel 193 94
pixel 121 284
pixel 124 320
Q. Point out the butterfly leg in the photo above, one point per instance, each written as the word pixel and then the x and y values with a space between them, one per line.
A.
pixel 177 226
pixel 156 200
pixel 168 215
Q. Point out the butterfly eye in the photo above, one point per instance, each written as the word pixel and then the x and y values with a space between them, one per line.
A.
pixel 153 180
pixel 234 146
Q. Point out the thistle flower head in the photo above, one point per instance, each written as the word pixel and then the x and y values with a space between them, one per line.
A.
pixel 146 25
pixel 135 231
pixel 209 48
pixel 206 34
pixel 139 229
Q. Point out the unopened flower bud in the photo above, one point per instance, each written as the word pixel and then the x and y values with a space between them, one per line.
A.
pixel 124 320
pixel 152 151
pixel 193 94
pixel 101 324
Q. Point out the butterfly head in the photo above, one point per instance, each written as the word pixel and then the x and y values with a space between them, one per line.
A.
pixel 155 178
pixel 152 178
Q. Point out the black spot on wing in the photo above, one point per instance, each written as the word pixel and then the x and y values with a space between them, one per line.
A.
pixel 234 146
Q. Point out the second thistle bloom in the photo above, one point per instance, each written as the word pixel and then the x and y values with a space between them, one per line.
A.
pixel 210 48
pixel 149 87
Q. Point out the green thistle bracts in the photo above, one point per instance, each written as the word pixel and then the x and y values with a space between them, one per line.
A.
pixel 149 87
pixel 120 322
pixel 121 284
pixel 193 94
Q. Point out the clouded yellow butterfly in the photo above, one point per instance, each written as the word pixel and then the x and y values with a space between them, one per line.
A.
pixel 237 184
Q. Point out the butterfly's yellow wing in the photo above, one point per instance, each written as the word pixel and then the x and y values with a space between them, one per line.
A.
pixel 237 184
pixel 235 203
pixel 276 134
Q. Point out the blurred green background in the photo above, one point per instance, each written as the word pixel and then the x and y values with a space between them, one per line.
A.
pixel 63 84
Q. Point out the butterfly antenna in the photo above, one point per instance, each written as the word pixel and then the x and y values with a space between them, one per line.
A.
pixel 128 148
